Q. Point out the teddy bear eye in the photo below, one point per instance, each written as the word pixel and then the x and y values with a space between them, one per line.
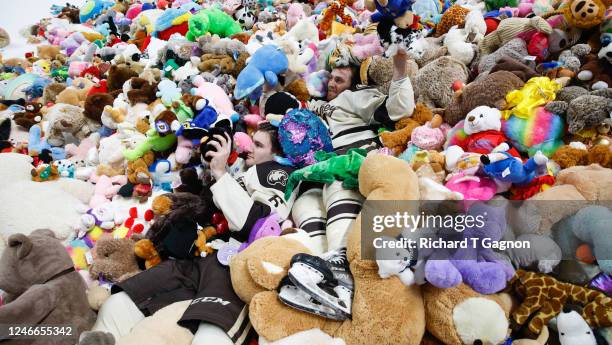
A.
pixel 481 115
pixel 562 333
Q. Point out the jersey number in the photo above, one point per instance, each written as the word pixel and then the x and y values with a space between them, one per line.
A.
pixel 276 200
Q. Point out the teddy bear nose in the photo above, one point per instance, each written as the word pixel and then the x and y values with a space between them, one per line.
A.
pixel 477 342
pixel 471 118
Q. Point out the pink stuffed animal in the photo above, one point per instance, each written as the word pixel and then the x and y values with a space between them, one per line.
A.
pixel 252 120
pixel 215 95
pixel 295 13
pixel 473 188
pixel 430 136
pixel 56 36
pixel 184 150
pixel 243 142
pixel 79 154
pixel 133 11
pixel 106 188
pixel 366 46
pixel 76 67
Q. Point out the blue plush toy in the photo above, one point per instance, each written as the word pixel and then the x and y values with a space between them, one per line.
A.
pixel 504 167
pixel 168 92
pixel 265 65
pixel 36 89
pixel 591 226
pixel 198 127
pixel 394 10
pixel 93 8
pixel 36 144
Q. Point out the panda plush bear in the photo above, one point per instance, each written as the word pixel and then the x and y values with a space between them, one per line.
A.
pixel 245 17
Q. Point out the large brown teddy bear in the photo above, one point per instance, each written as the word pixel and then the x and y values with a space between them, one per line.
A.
pixel 460 315
pixel 385 311
pixel 490 91
pixel 433 82
pixel 43 287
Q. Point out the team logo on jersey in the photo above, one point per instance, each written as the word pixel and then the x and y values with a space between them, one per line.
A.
pixel 278 177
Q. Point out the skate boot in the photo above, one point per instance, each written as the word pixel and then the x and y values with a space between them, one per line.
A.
pixel 326 279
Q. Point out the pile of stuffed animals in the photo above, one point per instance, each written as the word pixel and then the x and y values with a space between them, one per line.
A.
pixel 105 127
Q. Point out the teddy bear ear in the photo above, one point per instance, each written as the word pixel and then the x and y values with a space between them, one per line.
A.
pixel 43 232
pixel 21 244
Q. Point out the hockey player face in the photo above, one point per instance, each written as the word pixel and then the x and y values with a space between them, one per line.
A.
pixel 339 81
pixel 262 149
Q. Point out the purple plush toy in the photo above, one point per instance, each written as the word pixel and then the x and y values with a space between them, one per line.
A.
pixel 477 266
pixel 264 227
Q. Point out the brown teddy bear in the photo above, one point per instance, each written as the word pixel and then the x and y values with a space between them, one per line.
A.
pixel 145 249
pixel 113 259
pixel 47 52
pixel 151 74
pixel 571 155
pixel 399 138
pixel 490 91
pixel 577 184
pixel 117 76
pixel 210 62
pixel 73 96
pixel 299 89
pixel 51 91
pixel 94 105
pixel 450 315
pixel 30 116
pixel 433 82
pixel 506 63
pixel 43 288
pixel 596 72
pixel 380 306
pixel 141 91
pixel 138 170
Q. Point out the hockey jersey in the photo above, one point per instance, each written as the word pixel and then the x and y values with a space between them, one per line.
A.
pixel 253 195
pixel 353 117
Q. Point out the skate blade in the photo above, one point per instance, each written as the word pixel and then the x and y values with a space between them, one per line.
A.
pixel 307 279
pixel 300 300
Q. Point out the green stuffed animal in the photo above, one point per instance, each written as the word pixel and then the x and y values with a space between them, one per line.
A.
pixel 214 21
pixel 329 168
pixel 153 142
pixel 497 4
